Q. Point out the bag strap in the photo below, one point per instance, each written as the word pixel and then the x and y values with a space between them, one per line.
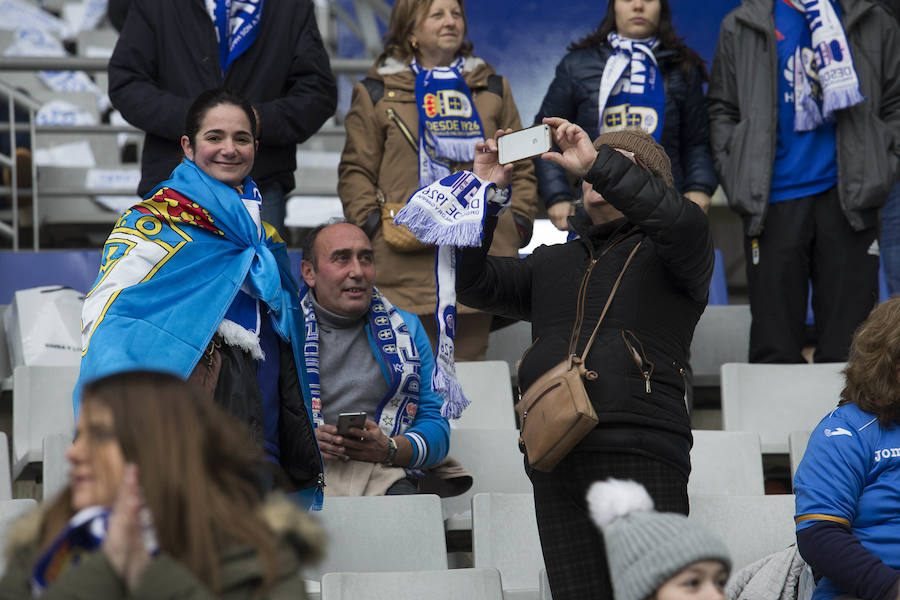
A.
pixel 609 301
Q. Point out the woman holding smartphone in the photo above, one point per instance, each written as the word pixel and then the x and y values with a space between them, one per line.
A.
pixel 632 71
pixel 165 501
pixel 414 119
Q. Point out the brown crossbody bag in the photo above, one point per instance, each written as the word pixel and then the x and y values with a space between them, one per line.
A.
pixel 555 412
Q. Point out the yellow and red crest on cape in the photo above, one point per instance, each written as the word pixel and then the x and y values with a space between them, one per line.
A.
pixel 177 208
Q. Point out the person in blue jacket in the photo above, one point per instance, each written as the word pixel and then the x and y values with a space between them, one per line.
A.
pixel 365 355
pixel 848 509
pixel 632 71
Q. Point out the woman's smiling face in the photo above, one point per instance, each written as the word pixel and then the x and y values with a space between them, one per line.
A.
pixel 224 146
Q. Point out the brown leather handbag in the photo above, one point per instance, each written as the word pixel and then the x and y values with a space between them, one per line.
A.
pixel 555 412
pixel 398 237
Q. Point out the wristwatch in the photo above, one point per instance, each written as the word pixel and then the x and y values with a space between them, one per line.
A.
pixel 392 452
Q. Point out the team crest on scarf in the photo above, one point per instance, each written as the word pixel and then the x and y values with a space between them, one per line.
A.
pixel 631 90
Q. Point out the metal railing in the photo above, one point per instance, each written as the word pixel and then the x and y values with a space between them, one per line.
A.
pixel 15 98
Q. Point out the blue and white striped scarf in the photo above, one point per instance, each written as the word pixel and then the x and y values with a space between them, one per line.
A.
pixel 237 25
pixel 638 101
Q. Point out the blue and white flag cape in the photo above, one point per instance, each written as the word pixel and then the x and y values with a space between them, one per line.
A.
pixel 169 272
pixel 237 25
pixel 450 213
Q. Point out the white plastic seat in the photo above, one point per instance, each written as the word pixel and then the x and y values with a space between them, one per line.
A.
pixel 774 400
pixel 5 475
pixel 42 406
pixel 797 442
pixel 545 586
pixel 487 385
pixel 726 462
pixel 505 537
pixel 493 458
pixel 751 526
pixel 55 466
pixel 508 344
pixel 722 335
pixel 450 584
pixel 5 368
pixel 10 512
pixel 382 533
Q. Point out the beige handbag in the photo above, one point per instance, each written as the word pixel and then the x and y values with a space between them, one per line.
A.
pixel 555 412
pixel 398 237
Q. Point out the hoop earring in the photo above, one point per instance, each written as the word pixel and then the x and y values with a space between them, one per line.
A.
pixel 414 45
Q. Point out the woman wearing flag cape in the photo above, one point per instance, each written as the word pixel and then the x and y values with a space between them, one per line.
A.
pixel 413 120
pixel 632 213
pixel 164 501
pixel 632 71
pixel 193 283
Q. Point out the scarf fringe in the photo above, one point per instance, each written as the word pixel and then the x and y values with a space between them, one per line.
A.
pixel 807 117
pixel 422 225
pixel 456 149
pixel 235 335
pixel 455 402
pixel 839 99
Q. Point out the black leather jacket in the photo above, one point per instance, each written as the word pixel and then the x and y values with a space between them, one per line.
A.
pixel 574 95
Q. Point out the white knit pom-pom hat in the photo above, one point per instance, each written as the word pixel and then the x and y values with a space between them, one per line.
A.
pixel 645 548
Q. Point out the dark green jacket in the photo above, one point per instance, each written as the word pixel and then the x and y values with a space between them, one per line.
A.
pixel 241 571
pixel 743 112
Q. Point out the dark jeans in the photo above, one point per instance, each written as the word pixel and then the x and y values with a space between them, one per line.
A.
pixel 890 241
pixel 808 239
pixel 574 553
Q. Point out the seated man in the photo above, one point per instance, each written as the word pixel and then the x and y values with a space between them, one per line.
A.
pixel 365 355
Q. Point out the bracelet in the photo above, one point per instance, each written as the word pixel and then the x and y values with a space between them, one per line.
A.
pixel 392 453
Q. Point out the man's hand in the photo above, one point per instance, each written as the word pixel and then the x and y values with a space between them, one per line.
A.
pixel 330 443
pixel 578 153
pixel 486 165
pixel 368 445
pixel 558 214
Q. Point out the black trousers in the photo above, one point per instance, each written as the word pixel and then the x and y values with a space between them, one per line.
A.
pixel 808 239
pixel 574 553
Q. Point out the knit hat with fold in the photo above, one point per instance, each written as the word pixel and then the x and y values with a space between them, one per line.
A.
pixel 646 548
pixel 645 149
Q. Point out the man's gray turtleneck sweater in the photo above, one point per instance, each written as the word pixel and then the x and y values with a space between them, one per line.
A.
pixel 349 374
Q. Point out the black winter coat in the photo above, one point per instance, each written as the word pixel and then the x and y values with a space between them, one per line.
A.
pixel 167 54
pixel 641 350
pixel 574 95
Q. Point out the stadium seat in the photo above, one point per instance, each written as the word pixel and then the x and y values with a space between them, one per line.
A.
pixel 10 512
pixel 42 406
pixel 718 287
pixel 76 269
pixel 751 526
pixel 505 537
pixel 774 400
pixel 382 533
pixel 509 343
pixel 722 335
pixel 797 442
pixel 486 384
pixel 449 584
pixel 726 462
pixel 5 368
pixel 493 458
pixel 545 586
pixel 55 466
pixel 5 477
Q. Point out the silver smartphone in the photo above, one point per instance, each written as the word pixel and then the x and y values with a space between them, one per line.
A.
pixel 524 143
pixel 350 419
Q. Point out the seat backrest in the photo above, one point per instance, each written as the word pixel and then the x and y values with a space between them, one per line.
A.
pixel 42 406
pixel 797 442
pixel 5 469
pixel 5 368
pixel 449 584
pixel 751 526
pixel 76 269
pixel 493 458
pixel 722 335
pixel 55 466
pixel 726 462
pixel 505 537
pixel 382 533
pixel 509 343
pixel 487 386
pixel 10 511
pixel 774 400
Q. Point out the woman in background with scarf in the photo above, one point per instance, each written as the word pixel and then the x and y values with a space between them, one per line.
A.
pixel 164 501
pixel 633 71
pixel 414 119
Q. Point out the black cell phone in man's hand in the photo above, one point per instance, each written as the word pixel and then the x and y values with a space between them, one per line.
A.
pixel 350 419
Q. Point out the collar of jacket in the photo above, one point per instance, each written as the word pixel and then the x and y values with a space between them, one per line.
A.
pixel 398 73
pixel 664 56
pixel 759 14
pixel 595 236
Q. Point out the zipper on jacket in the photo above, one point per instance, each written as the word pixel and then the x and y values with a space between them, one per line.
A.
pixel 639 357
pixel 579 310
pixel 404 129
pixel 683 374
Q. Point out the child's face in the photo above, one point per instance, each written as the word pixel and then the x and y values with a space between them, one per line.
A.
pixel 703 580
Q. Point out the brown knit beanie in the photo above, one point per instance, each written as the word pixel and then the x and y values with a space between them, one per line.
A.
pixel 645 150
